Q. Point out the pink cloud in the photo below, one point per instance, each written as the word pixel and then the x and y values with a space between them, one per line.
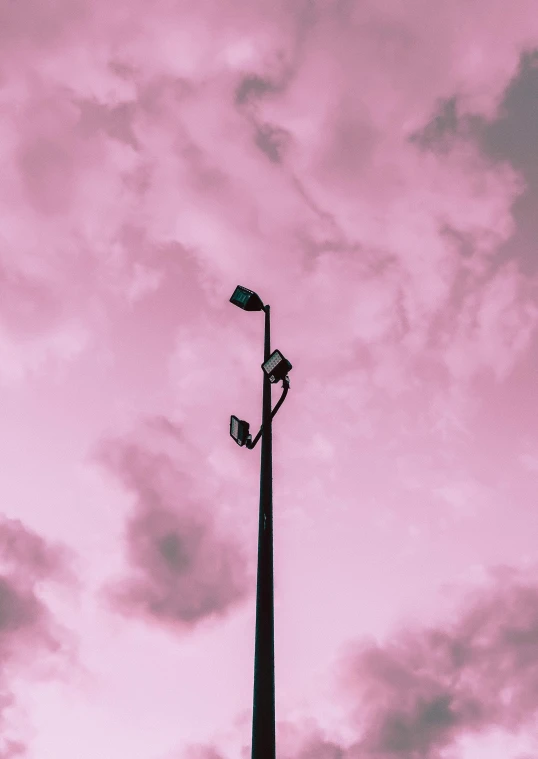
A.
pixel 425 690
pixel 368 167
pixel 106 145
pixel 422 689
pixel 181 571
pixel 27 627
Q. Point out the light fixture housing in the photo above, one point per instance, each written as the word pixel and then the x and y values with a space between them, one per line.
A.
pixel 276 367
pixel 246 299
pixel 239 430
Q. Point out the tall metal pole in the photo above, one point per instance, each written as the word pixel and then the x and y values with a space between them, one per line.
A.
pixel 263 716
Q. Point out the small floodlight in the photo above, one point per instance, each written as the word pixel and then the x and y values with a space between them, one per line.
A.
pixel 246 299
pixel 239 430
pixel 276 367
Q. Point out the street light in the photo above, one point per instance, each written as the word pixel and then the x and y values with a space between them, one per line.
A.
pixel 239 430
pixel 275 367
pixel 246 299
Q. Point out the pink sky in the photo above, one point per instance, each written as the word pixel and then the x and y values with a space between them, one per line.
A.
pixel 370 169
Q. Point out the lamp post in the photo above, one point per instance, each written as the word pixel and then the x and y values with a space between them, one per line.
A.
pixel 275 367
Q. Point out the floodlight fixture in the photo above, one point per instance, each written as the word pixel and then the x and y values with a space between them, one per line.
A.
pixel 239 430
pixel 246 299
pixel 276 367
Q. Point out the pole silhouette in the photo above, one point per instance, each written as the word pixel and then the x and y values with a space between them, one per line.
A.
pixel 275 368
pixel 263 714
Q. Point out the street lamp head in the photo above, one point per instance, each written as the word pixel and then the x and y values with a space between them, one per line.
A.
pixel 246 299
pixel 239 430
pixel 276 367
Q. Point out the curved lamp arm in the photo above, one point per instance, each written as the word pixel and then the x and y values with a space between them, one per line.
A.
pixel 286 386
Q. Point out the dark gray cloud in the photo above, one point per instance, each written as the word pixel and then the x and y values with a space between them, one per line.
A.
pixel 272 141
pixel 181 571
pixel 27 628
pixel 29 554
pixel 253 87
pixel 510 137
pixel 440 132
pixel 416 694
pixel 425 688
pixel 513 136
pixel 514 133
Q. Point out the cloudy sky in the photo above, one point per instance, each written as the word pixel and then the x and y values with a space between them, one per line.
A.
pixel 370 168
